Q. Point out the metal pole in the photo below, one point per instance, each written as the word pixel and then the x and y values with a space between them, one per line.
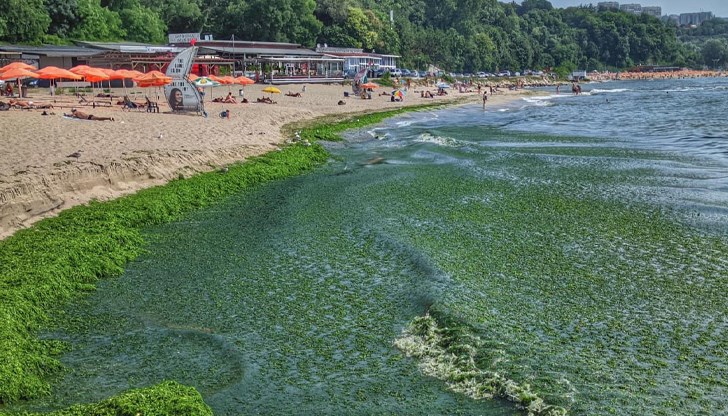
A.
pixel 233 74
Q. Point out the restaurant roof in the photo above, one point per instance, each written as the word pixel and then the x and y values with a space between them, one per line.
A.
pixel 50 50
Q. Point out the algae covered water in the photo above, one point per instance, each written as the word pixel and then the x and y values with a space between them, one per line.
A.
pixel 573 245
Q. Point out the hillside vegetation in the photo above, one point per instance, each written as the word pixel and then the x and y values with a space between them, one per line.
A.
pixel 456 35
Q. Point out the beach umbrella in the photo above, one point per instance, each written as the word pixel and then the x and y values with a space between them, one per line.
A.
pixel 113 75
pixel 205 82
pixel 153 77
pixel 91 75
pixel 442 85
pixel 53 73
pixel 17 65
pixel 125 74
pixel 369 85
pixel 192 77
pixel 398 94
pixel 19 74
pixel 272 90
pixel 244 80
pixel 227 79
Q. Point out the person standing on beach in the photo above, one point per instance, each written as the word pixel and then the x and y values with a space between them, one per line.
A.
pixel 485 99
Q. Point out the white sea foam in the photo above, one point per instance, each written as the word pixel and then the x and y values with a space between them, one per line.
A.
pixel 684 89
pixel 404 123
pixel 438 140
pixel 600 91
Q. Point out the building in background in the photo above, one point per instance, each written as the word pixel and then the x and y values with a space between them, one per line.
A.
pixel 608 5
pixel 655 11
pixel 631 8
pixel 696 19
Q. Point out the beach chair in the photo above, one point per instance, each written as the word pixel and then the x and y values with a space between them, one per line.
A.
pixel 152 106
pixel 93 103
pixel 129 104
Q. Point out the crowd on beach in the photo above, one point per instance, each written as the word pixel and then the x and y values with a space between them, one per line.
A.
pixel 644 75
pixel 52 161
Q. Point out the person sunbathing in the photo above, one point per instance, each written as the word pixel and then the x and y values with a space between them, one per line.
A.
pixel 23 105
pixel 230 99
pixel 293 94
pixel 83 116
pixel 217 100
pixel 265 100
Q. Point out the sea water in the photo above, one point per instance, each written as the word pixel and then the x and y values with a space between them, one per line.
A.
pixel 580 239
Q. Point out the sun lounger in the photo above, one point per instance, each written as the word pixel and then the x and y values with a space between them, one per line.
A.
pixel 130 105
pixel 152 106
pixel 94 103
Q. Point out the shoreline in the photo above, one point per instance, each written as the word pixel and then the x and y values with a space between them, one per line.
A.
pixel 69 253
pixel 39 178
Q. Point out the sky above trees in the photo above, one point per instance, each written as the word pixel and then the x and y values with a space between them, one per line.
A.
pixel 718 7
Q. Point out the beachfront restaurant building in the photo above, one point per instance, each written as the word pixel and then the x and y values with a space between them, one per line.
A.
pixel 48 55
pixel 356 59
pixel 145 57
pixel 112 55
pixel 276 62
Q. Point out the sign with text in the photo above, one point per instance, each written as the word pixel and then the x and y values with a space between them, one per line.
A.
pixel 181 94
pixel 183 37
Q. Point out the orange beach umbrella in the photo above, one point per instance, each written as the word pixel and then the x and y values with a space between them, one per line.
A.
pixel 52 72
pixel 17 73
pixel 244 80
pixel 153 78
pixel 17 65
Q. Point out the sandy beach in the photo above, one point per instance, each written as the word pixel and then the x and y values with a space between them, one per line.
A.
pixel 51 162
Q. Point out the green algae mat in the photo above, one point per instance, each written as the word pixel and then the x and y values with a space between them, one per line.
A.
pixel 466 271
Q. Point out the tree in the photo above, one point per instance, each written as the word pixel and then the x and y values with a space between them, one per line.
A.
pixel 182 16
pixel 63 14
pixel 282 21
pixel 143 25
pixel 97 22
pixel 529 5
pixel 25 21
pixel 714 52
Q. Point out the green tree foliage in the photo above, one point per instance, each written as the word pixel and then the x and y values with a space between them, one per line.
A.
pixel 63 14
pixel 23 20
pixel 715 52
pixel 97 23
pixel 143 25
pixel 458 35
